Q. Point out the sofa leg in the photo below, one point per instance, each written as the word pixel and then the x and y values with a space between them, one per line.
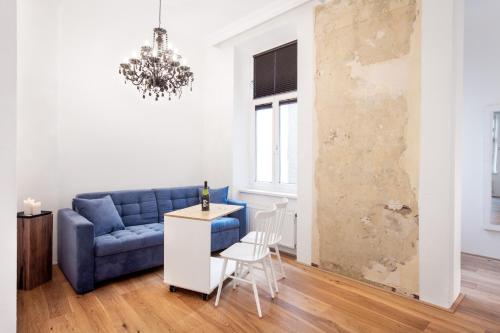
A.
pixel 205 297
pixel 173 289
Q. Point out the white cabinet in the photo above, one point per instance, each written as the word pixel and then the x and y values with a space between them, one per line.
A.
pixel 187 259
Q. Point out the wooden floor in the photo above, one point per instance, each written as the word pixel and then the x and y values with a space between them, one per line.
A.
pixel 309 301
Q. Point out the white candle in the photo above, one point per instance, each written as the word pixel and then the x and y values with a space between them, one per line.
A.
pixel 27 207
pixel 37 208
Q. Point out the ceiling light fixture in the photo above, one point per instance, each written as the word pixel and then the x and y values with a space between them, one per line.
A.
pixel 158 70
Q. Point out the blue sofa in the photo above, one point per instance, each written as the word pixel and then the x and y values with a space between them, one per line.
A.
pixel 87 260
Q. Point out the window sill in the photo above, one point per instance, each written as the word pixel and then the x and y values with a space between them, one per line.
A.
pixel 269 193
pixel 492 227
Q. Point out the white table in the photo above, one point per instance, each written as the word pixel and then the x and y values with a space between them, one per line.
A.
pixel 188 263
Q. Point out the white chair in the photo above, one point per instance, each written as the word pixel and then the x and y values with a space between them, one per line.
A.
pixel 250 254
pixel 275 234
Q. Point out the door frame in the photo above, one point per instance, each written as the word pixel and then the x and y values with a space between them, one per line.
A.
pixel 488 116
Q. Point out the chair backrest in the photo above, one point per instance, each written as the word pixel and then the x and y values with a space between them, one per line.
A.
pixel 264 223
pixel 280 218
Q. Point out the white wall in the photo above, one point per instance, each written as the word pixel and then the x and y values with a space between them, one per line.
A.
pixel 439 197
pixel 37 167
pixel 8 32
pixel 307 147
pixel 216 106
pixel 109 137
pixel 227 113
pixel 81 129
pixel 481 89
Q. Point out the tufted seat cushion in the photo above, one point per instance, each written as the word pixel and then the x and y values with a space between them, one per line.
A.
pixel 131 238
pixel 225 223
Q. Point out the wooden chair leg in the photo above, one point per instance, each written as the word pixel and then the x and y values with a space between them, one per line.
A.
pixel 276 249
pixel 255 292
pixel 273 275
pixel 222 275
pixel 264 268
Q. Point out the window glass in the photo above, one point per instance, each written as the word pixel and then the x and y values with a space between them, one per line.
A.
pixel 264 143
pixel 288 142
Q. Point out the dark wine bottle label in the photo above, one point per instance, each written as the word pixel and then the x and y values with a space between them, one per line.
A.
pixel 205 202
pixel 205 198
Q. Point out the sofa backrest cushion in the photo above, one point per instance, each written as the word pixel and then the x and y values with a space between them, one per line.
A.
pixel 135 207
pixel 101 212
pixel 174 198
pixel 217 195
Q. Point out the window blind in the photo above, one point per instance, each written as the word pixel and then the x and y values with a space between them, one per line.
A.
pixel 275 71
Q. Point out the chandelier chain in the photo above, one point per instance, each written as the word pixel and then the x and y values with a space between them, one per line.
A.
pixel 159 16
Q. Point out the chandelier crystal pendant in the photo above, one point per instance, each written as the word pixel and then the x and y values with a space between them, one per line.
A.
pixel 158 70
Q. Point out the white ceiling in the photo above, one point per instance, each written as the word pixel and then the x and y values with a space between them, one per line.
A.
pixel 214 14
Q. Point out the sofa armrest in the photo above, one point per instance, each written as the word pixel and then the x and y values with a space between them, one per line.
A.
pixel 75 249
pixel 241 215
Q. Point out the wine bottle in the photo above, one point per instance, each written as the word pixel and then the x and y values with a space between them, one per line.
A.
pixel 205 198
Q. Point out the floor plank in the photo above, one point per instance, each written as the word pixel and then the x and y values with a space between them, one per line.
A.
pixel 309 300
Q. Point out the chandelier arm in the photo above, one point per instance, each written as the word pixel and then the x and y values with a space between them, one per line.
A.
pixel 148 71
pixel 138 82
pixel 167 74
pixel 133 79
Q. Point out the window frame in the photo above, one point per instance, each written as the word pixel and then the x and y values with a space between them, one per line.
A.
pixel 275 185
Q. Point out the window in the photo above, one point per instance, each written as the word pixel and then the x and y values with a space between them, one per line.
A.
pixel 264 143
pixel 288 141
pixel 496 145
pixel 275 125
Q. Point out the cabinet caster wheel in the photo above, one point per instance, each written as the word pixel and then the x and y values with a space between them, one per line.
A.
pixel 173 289
pixel 205 297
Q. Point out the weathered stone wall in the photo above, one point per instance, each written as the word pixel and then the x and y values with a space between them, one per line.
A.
pixel 367 104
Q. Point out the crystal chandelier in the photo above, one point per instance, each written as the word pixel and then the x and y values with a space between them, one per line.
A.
pixel 158 70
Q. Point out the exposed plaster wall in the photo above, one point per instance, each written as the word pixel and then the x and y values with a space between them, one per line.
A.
pixel 367 104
